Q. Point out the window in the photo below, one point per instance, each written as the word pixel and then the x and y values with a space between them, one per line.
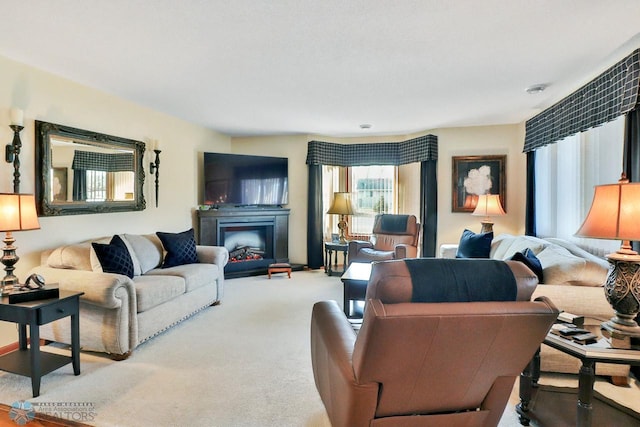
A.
pixel 374 189
pixel 102 186
pixel 565 176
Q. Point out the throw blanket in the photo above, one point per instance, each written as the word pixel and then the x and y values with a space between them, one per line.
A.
pixel 461 280
pixel 394 223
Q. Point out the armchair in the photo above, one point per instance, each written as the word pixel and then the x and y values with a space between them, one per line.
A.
pixel 424 364
pixel 393 237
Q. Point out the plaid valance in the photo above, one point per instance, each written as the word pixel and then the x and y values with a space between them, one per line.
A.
pixel 385 153
pixel 91 160
pixel 610 95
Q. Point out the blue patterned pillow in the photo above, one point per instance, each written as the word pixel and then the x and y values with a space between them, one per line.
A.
pixel 114 257
pixel 180 247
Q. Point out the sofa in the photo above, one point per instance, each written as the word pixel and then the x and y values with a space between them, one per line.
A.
pixel 118 312
pixel 573 280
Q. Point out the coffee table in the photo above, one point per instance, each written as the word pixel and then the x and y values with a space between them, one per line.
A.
pixel 589 354
pixel 355 281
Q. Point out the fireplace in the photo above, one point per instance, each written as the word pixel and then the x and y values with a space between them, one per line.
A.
pixel 247 243
pixel 255 237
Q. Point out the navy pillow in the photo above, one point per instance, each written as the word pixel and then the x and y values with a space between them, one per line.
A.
pixel 528 258
pixel 474 245
pixel 180 247
pixel 114 257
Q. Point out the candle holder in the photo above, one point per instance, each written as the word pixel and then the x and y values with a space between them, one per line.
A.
pixel 154 168
pixel 12 155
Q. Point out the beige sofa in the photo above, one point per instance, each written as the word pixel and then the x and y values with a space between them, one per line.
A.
pixel 573 280
pixel 117 313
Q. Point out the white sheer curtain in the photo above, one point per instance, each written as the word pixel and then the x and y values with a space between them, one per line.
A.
pixel 566 173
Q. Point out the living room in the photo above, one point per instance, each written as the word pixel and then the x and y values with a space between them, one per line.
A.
pixel 46 96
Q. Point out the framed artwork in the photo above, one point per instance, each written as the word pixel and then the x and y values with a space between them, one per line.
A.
pixel 476 175
pixel 59 185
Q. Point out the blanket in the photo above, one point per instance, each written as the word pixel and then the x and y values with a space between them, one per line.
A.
pixel 461 280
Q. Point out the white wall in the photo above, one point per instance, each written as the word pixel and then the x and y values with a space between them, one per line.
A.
pixel 45 97
pixel 484 140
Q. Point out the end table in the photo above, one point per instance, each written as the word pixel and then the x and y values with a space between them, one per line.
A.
pixel 329 249
pixel 28 360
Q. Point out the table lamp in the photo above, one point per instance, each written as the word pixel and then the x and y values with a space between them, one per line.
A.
pixel 488 205
pixel 341 206
pixel 615 215
pixel 17 213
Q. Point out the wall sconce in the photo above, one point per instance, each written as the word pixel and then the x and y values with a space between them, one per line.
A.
pixel 154 166
pixel 12 151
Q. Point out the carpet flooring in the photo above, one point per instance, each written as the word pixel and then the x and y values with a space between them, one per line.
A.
pixel 244 363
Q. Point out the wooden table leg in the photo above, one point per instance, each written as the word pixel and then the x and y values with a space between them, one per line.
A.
pixel 36 367
pixel 586 379
pixel 526 389
pixel 75 342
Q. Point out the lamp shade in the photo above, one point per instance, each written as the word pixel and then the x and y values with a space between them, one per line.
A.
pixel 18 212
pixel 489 205
pixel 614 213
pixel 341 204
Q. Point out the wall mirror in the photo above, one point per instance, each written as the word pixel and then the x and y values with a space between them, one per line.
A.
pixel 84 172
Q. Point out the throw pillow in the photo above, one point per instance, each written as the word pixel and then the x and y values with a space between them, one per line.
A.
pixel 474 245
pixel 180 247
pixel 114 257
pixel 528 258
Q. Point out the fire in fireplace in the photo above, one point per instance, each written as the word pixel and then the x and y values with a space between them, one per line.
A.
pixel 246 242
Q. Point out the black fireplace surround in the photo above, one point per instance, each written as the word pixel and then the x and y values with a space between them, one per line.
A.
pixel 255 237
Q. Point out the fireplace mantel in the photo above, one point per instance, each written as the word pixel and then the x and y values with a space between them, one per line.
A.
pixel 211 222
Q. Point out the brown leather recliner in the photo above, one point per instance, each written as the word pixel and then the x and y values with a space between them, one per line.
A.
pixel 393 237
pixel 424 364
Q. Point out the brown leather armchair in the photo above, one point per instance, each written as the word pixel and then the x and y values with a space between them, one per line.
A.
pixel 424 364
pixel 393 237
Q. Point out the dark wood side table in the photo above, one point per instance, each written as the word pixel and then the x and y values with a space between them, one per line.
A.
pixel 589 354
pixel 28 360
pixel 355 281
pixel 329 249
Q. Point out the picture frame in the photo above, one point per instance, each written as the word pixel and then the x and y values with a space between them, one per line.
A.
pixel 59 185
pixel 473 175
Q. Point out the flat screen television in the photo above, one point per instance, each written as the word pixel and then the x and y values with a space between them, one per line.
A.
pixel 241 180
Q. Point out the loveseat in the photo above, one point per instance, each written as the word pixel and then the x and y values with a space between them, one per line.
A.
pixel 118 312
pixel 573 280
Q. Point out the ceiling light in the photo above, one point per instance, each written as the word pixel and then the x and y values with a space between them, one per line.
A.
pixel 532 90
pixel 365 126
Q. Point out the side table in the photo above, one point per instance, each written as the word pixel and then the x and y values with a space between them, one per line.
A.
pixel 329 249
pixel 28 360
pixel 589 354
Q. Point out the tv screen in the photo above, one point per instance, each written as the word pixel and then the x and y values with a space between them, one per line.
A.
pixel 243 180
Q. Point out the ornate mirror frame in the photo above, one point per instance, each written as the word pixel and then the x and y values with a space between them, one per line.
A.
pixel 46 171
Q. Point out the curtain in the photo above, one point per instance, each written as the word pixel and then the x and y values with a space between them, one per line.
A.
pixel 79 185
pixel 420 149
pixel 429 206
pixel 608 96
pixel 632 152
pixel 530 216
pixel 315 255
pixel 565 176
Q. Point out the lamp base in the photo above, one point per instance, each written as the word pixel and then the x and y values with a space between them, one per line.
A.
pixel 487 227
pixel 622 290
pixel 342 225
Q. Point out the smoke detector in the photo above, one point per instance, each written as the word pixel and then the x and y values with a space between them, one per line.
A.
pixel 535 89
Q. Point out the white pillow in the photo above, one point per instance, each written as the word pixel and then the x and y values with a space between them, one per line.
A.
pixel 560 267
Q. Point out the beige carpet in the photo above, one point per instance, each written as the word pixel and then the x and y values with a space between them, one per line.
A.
pixel 243 363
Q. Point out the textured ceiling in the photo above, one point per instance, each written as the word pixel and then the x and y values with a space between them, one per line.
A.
pixel 262 67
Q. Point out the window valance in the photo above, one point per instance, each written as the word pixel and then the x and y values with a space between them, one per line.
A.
pixel 91 160
pixel 610 95
pixel 413 150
